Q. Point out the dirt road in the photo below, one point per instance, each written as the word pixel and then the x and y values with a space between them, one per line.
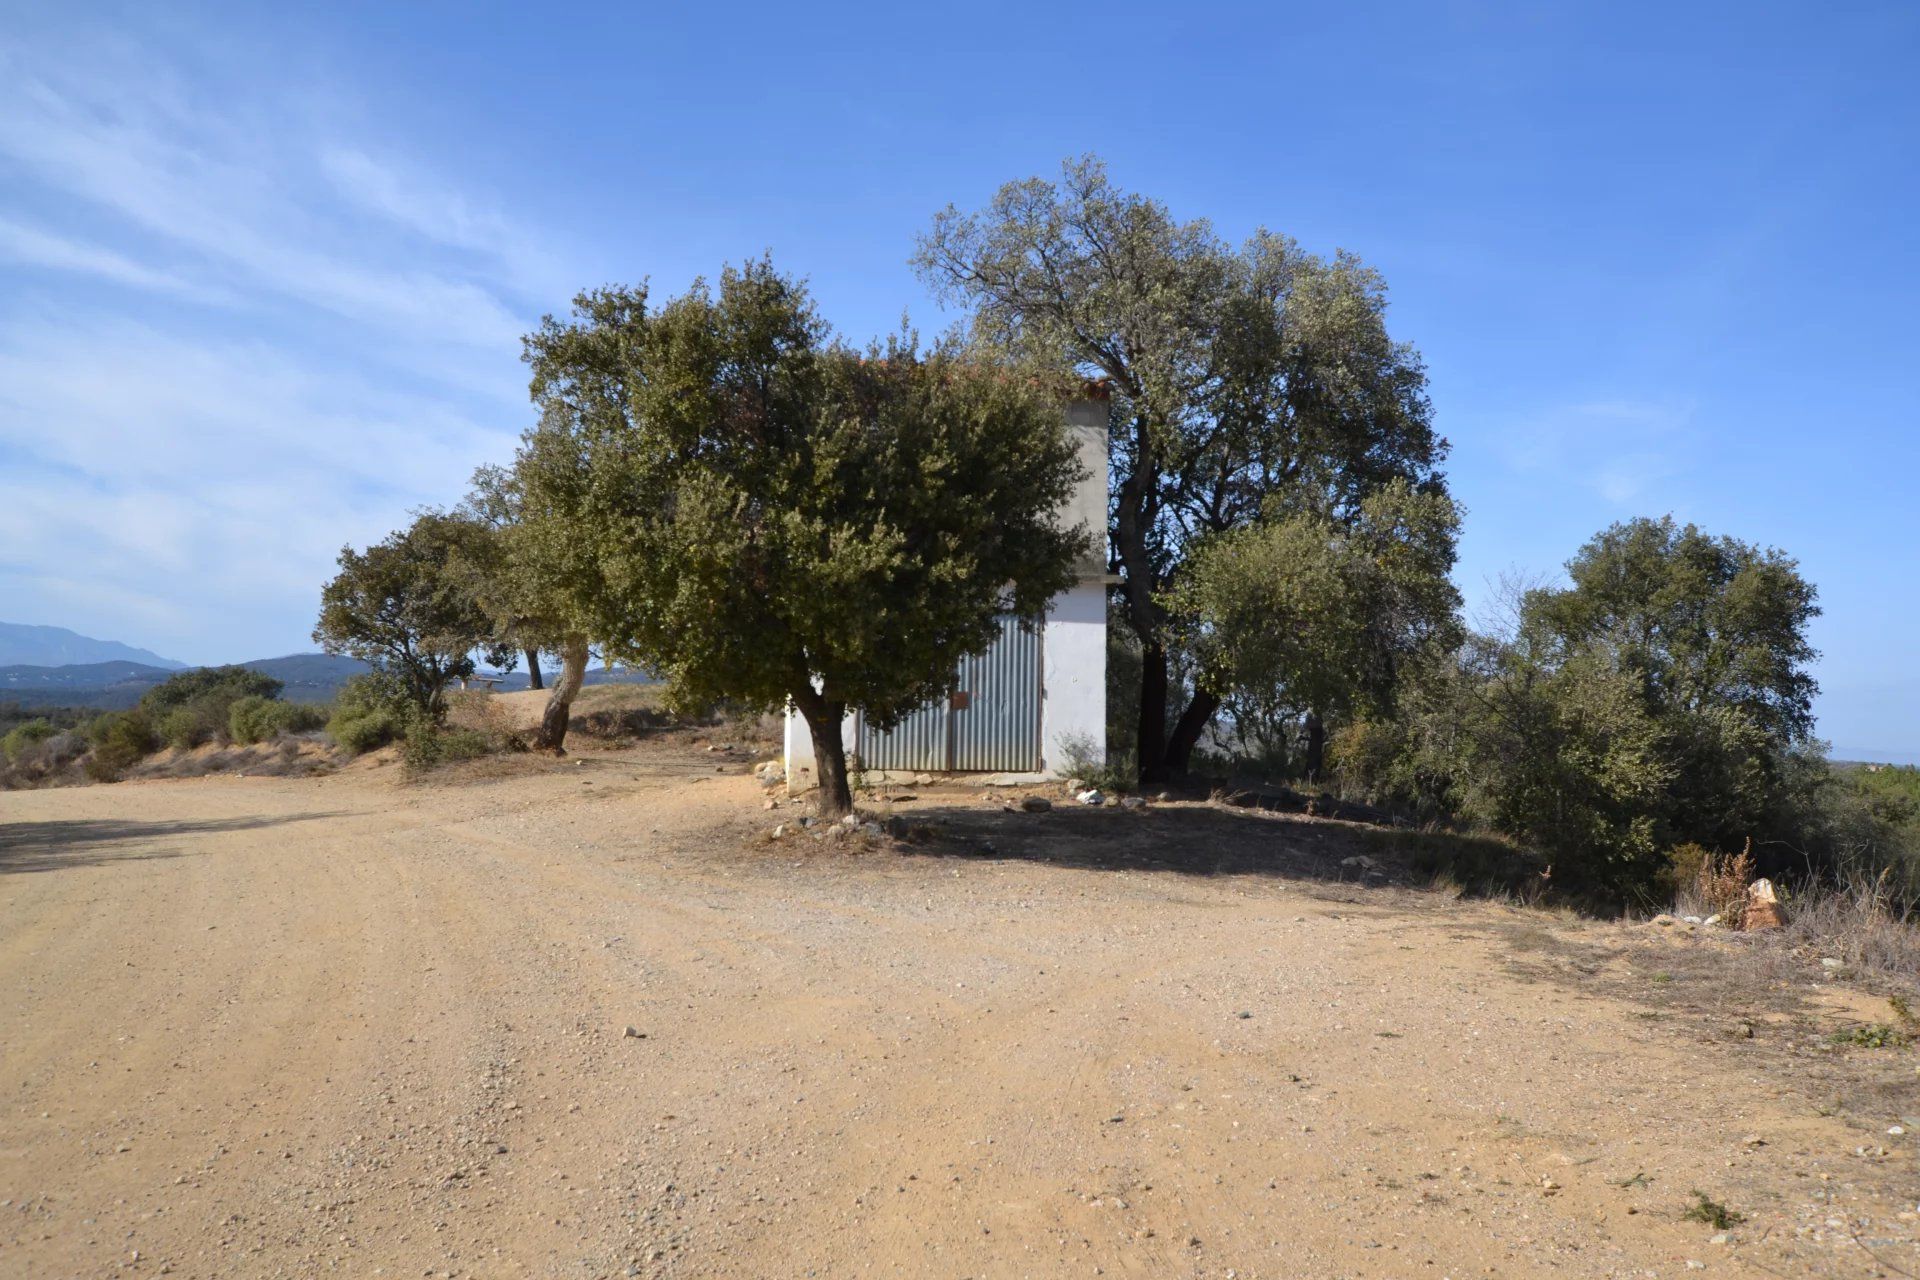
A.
pixel 578 1021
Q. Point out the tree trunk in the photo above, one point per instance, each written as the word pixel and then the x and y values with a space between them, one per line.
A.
pixel 824 718
pixel 533 670
pixel 1316 746
pixel 1152 740
pixel 1187 730
pixel 573 673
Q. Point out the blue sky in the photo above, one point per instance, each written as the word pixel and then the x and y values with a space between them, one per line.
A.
pixel 262 273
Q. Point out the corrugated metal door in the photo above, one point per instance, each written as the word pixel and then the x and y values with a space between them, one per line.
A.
pixel 999 725
pixel 990 723
pixel 922 741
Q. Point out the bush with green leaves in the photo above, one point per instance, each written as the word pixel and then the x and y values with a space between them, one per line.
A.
pixel 370 711
pixel 118 741
pixel 193 707
pixel 257 719
pixel 429 745
pixel 22 737
pixel 1661 699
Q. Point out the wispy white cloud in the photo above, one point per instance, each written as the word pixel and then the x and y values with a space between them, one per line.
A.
pixel 1621 450
pixel 250 203
pixel 316 336
pixel 31 246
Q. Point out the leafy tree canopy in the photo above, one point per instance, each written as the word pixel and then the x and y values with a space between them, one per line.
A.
pixel 1305 614
pixel 762 513
pixel 409 605
pixel 1249 382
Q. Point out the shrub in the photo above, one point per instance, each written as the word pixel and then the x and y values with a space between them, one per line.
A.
pixel 186 727
pixel 369 712
pixel 1721 883
pixel 1081 758
pixel 223 685
pixel 363 733
pixel 120 739
pixel 429 745
pixel 30 734
pixel 192 707
pixel 1684 863
pixel 256 719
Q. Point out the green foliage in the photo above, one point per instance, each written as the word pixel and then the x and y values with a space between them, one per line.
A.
pixel 22 737
pixel 1712 1213
pixel 1250 383
pixel 1879 1035
pixel 118 741
pixel 759 512
pixel 1661 701
pixel 207 684
pixel 1683 865
pixel 184 727
pixel 428 745
pixel 1305 614
pixel 411 605
pixel 370 711
pixel 257 719
pixel 192 707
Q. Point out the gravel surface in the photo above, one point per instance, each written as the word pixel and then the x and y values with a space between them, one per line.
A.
pixel 558 1019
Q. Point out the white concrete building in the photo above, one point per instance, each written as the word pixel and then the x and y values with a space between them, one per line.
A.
pixel 1035 698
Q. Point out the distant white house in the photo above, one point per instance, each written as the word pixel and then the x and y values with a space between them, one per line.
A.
pixel 1034 696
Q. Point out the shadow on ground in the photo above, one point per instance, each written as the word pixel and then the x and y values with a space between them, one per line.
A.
pixel 84 842
pixel 1189 840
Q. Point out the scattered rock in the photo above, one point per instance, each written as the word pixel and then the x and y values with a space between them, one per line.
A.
pixel 1036 804
pixel 1829 963
pixel 1691 919
pixel 851 820
pixel 1076 785
pixel 1359 862
pixel 1720 1237
pixel 780 831
pixel 1763 907
pixel 1132 802
pixel 1711 920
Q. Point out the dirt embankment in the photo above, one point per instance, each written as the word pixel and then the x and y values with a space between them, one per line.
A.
pixel 582 1019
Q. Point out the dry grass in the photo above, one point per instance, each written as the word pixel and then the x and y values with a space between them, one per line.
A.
pixel 1720 886
pixel 1860 923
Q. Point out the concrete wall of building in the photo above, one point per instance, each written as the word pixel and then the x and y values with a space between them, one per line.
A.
pixel 1073 713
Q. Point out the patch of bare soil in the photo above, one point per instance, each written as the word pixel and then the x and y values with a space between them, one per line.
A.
pixel 584 1017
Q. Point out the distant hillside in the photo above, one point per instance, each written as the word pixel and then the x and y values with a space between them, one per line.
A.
pixel 90 684
pixel 22 645
pixel 306 677
pixel 309 677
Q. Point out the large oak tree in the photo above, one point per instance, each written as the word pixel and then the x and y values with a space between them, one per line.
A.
pixel 1246 381
pixel 765 515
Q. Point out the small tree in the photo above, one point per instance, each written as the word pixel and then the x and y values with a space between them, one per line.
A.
pixel 773 517
pixel 408 605
pixel 1303 615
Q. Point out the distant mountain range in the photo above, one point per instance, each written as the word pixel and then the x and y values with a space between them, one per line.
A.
pixel 23 645
pixel 305 677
